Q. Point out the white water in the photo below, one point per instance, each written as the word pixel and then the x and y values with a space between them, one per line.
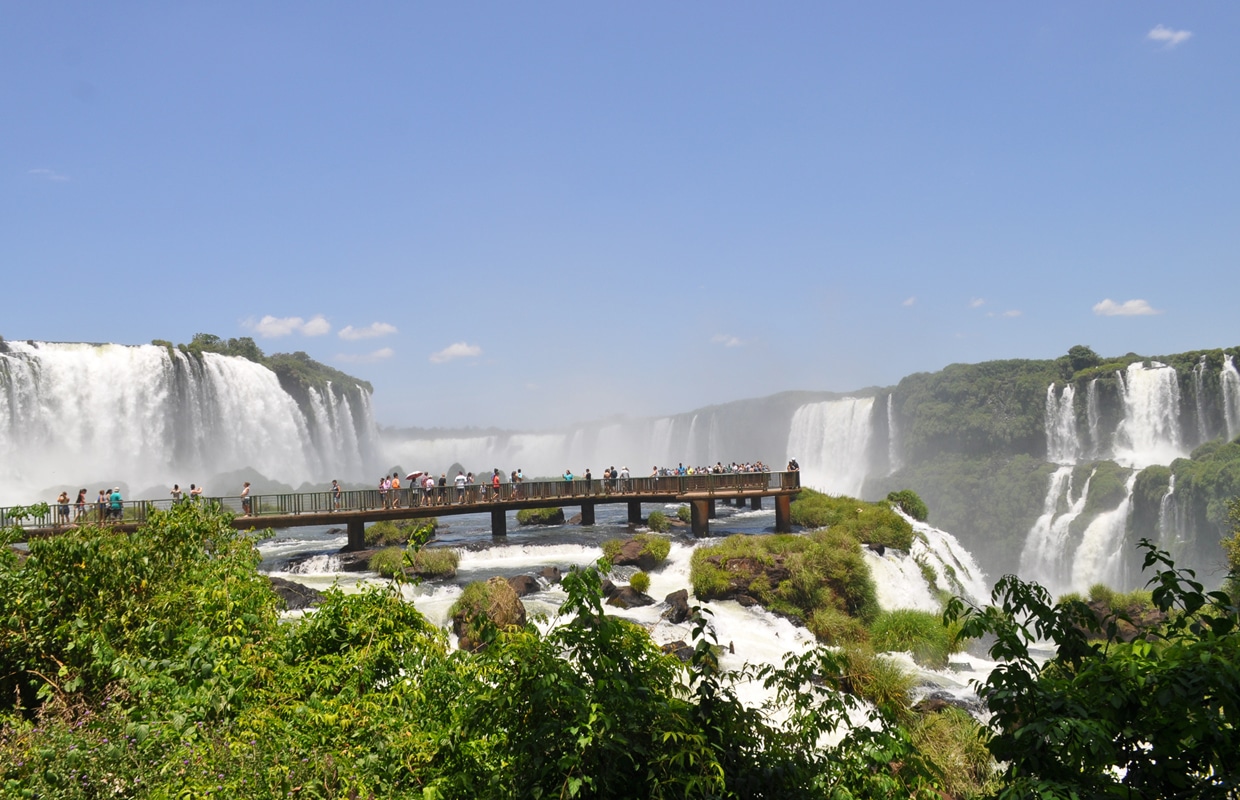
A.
pixel 894 462
pixel 1230 379
pixel 1047 555
pixel 1093 418
pixel 1063 445
pixel 1199 392
pixel 84 414
pixel 1149 432
pixel 831 441
pixel 1099 557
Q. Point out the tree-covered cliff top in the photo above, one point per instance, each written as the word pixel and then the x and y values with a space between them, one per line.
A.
pixel 297 367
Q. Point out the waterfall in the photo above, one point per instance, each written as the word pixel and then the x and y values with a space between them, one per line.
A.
pixel 893 442
pixel 1149 432
pixel 1063 446
pixel 1199 395
pixel 1093 418
pixel 831 441
pixel 1230 379
pixel 150 416
pixel 1099 558
pixel 1047 553
pixel 1170 533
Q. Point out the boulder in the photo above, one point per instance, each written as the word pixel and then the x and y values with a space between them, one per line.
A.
pixel 628 597
pixel 551 575
pixel 502 608
pixel 295 596
pixel 633 553
pixel 680 649
pixel 523 584
pixel 677 607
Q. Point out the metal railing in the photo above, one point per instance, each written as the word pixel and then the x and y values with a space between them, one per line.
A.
pixel 475 494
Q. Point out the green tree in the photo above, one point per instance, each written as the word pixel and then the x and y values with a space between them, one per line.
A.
pixel 1082 357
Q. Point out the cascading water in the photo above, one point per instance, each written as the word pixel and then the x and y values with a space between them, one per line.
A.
pixel 831 441
pixel 1047 555
pixel 150 416
pixel 1099 559
pixel 1149 432
pixel 893 440
pixel 1093 418
pixel 1230 379
pixel 1063 445
pixel 1199 395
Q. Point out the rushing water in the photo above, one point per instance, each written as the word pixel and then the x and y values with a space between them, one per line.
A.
pixel 831 441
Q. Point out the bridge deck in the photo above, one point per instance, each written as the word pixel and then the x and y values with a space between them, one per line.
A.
pixel 355 508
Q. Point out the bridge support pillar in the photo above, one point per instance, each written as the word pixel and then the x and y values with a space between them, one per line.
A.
pixel 357 535
pixel 783 513
pixel 499 522
pixel 710 509
pixel 587 513
pixel 699 514
pixel 755 503
pixel 635 513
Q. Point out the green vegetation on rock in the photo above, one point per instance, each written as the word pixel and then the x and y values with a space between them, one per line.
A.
pixel 871 523
pixel 684 514
pixel 918 632
pixel 540 516
pixel 640 581
pixel 658 522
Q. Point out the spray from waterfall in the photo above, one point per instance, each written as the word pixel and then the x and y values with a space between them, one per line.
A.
pixel 831 441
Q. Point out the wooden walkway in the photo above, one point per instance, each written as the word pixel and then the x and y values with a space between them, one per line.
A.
pixel 353 509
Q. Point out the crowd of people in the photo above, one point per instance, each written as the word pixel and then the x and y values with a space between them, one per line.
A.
pixel 109 505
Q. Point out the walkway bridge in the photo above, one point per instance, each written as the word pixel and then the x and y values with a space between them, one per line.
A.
pixel 353 509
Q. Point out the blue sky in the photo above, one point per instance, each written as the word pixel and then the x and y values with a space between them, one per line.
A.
pixel 529 214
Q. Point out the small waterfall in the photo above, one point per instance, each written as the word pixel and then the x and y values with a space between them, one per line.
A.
pixel 1149 432
pixel 893 440
pixel 1063 446
pixel 1093 418
pixel 1230 379
pixel 1099 557
pixel 831 441
pixel 957 572
pixel 1170 533
pixel 1199 394
pixel 1047 553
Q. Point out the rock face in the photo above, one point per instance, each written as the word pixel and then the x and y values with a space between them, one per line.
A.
pixel 677 607
pixel 499 606
pixel 633 553
pixel 296 596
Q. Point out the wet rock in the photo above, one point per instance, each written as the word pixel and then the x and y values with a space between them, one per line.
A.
pixel 677 607
pixel 551 575
pixel 680 649
pixel 633 553
pixel 500 606
pixel 523 584
pixel 628 597
pixel 295 595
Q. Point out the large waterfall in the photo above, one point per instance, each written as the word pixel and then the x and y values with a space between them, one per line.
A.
pixel 1150 430
pixel 1230 379
pixel 1063 445
pixel 831 441
pixel 151 416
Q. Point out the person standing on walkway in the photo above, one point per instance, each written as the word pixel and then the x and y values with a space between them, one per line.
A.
pixel 176 493
pixel 245 499
pixel 335 495
pixel 62 508
pixel 80 506
pixel 102 504
pixel 395 489
pixel 460 481
pixel 195 493
pixel 116 503
pixel 495 482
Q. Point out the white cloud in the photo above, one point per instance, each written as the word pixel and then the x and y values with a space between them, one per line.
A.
pixel 372 331
pixel 454 351
pixel 275 327
pixel 367 358
pixel 1128 308
pixel 48 175
pixel 726 340
pixel 909 302
pixel 1011 312
pixel 1167 36
pixel 977 302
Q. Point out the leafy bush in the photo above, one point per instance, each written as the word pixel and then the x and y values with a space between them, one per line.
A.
pixel 872 523
pixel 910 503
pixel 657 521
pixel 438 562
pixel 655 548
pixel 956 743
pixel 684 514
pixel 388 562
pixel 640 581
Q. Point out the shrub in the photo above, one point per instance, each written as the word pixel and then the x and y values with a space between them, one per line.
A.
pixel 910 503
pixel 921 633
pixel 832 626
pixel 872 523
pixel 640 581
pixel 877 679
pixel 658 522
pixel 956 743
pixel 654 548
pixel 685 514
pixel 388 532
pixel 540 516
pixel 388 562
pixel 435 562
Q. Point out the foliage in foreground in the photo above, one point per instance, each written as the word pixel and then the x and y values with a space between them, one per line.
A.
pixel 155 665
pixel 1154 717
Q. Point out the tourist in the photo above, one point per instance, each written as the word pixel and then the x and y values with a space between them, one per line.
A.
pixel 62 508
pixel 176 493
pixel 116 503
pixel 195 493
pixel 429 487
pixel 613 478
pixel 80 505
pixel 793 466
pixel 624 479
pixel 495 482
pixel 516 489
pixel 460 481
pixel 335 495
pixel 395 490
pixel 385 483
pixel 102 504
pixel 245 499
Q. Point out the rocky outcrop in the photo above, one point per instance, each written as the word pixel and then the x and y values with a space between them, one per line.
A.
pixel 742 572
pixel 628 597
pixel 496 604
pixel 677 607
pixel 296 597
pixel 523 584
pixel 635 553
pixel 679 648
